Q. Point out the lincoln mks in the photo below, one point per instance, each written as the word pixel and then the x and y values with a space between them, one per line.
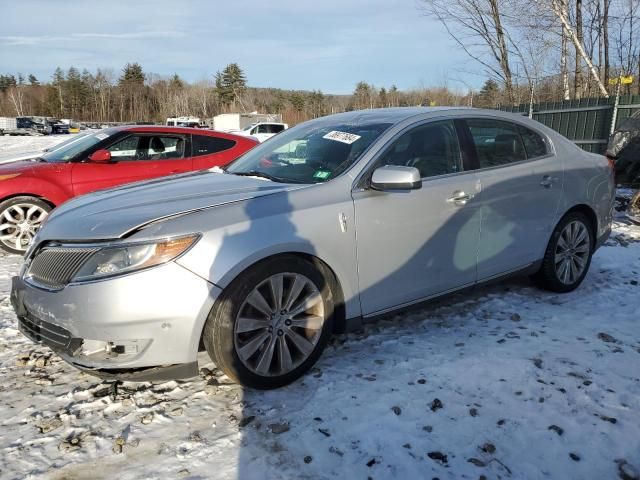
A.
pixel 328 224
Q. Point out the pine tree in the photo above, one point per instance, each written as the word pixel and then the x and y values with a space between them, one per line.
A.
pixel 132 74
pixel 33 81
pixel 489 94
pixel 382 98
pixel 231 83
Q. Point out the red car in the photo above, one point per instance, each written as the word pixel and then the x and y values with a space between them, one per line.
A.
pixel 30 189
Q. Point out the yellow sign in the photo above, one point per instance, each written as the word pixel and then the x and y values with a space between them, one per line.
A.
pixel 623 80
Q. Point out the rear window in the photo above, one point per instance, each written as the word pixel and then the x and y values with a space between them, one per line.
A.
pixel 497 142
pixel 206 145
pixel 534 144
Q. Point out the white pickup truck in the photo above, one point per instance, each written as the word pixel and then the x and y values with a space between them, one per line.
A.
pixel 261 131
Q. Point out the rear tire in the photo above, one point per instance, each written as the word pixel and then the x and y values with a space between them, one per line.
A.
pixel 568 255
pixel 271 324
pixel 20 220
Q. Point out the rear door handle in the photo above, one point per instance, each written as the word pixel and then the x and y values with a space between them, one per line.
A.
pixel 459 198
pixel 547 181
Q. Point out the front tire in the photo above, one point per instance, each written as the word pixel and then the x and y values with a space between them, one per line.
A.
pixel 20 219
pixel 568 256
pixel 272 323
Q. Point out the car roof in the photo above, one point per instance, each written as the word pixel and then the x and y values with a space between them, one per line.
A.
pixel 166 129
pixel 396 115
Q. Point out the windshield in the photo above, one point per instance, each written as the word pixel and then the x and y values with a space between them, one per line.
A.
pixel 73 147
pixel 246 129
pixel 68 141
pixel 309 153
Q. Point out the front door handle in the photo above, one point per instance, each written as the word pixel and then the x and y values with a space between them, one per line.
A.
pixel 459 198
pixel 547 181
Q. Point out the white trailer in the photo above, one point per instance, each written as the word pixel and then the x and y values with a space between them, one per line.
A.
pixel 8 126
pixel 239 121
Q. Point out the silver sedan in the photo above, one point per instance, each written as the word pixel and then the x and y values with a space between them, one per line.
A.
pixel 322 227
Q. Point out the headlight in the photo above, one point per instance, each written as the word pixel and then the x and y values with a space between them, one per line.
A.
pixel 120 259
pixel 10 175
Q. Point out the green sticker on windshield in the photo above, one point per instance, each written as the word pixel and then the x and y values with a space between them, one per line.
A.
pixel 322 174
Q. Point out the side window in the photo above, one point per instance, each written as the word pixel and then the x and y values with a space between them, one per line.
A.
pixel 534 144
pixel 432 148
pixel 161 148
pixel 274 128
pixel 206 145
pixel 148 147
pixel 262 129
pixel 125 149
pixel 497 143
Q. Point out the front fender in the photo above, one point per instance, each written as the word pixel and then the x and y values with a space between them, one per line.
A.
pixel 34 187
pixel 230 248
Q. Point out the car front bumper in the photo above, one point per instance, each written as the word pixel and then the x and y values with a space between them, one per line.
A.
pixel 142 326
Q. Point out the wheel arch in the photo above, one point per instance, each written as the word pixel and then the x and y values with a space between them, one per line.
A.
pixel 34 195
pixel 337 292
pixel 589 213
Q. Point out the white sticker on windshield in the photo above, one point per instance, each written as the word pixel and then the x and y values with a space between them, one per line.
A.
pixel 101 136
pixel 343 137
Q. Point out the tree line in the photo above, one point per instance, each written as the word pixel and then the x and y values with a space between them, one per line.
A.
pixel 135 95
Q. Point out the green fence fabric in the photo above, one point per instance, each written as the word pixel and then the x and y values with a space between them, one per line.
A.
pixel 586 121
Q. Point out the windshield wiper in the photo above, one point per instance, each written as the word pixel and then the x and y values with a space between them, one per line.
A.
pixel 256 173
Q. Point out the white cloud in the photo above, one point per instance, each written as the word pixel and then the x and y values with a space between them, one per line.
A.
pixel 18 40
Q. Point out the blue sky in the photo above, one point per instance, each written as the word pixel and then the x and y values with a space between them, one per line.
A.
pixel 328 44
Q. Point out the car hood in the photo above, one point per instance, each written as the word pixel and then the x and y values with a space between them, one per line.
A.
pixel 110 214
pixel 14 157
pixel 20 165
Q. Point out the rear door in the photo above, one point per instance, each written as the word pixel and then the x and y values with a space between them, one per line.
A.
pixel 138 156
pixel 521 186
pixel 212 151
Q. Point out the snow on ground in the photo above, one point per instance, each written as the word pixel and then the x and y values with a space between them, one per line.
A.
pixel 18 144
pixel 506 382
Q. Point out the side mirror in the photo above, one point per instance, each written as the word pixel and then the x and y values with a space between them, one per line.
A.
pixel 395 177
pixel 100 156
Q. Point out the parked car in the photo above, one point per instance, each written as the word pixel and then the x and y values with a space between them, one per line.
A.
pixel 32 127
pixel 262 262
pixel 262 131
pixel 624 149
pixel 30 189
pixel 193 122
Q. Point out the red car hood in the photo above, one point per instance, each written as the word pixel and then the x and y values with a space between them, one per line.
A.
pixel 23 166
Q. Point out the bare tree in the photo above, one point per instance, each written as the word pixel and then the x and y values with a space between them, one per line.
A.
pixel 563 6
pixel 558 8
pixel 16 97
pixel 577 72
pixel 478 27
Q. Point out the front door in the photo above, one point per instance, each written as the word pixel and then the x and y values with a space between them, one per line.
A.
pixel 134 158
pixel 415 244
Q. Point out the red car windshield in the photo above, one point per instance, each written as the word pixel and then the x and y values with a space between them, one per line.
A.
pixel 73 148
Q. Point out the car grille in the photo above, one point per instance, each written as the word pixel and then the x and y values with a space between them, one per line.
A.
pixel 54 267
pixel 55 337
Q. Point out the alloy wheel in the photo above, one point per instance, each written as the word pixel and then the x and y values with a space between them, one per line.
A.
pixel 19 223
pixel 572 252
pixel 279 324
